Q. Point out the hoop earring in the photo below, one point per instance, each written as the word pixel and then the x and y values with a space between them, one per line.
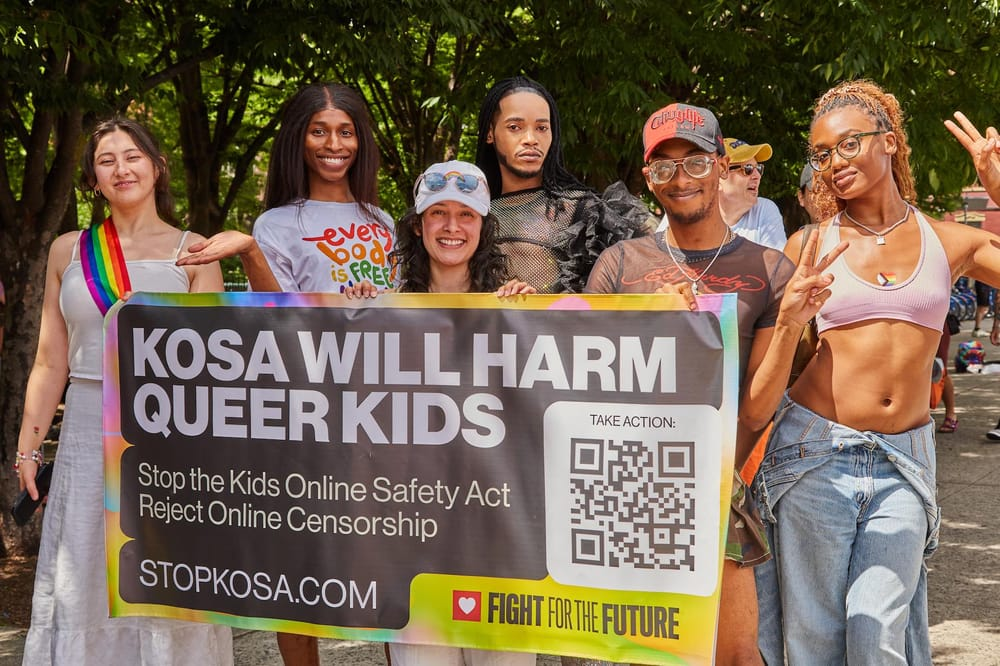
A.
pixel 97 192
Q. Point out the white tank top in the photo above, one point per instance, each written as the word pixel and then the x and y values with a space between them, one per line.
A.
pixel 84 321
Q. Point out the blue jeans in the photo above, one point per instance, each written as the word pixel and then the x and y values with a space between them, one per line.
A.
pixel 850 516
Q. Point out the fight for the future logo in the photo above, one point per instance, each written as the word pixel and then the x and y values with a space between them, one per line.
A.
pixel 556 612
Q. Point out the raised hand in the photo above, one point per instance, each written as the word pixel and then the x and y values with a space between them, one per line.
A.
pixel 808 287
pixel 984 150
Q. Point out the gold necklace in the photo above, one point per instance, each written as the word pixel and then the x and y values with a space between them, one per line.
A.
pixel 880 236
pixel 694 281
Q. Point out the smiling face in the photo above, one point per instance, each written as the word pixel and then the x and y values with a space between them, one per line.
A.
pixel 450 233
pixel 331 146
pixel 521 136
pixel 850 178
pixel 686 200
pixel 123 173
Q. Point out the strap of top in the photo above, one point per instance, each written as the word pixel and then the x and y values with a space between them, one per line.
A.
pixel 76 247
pixel 180 244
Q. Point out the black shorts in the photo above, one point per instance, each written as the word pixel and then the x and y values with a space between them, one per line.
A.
pixel 983 291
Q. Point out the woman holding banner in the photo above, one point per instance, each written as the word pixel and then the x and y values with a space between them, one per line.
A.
pixel 447 244
pixel 134 249
pixel 321 229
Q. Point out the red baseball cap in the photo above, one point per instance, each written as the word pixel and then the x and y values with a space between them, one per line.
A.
pixel 683 121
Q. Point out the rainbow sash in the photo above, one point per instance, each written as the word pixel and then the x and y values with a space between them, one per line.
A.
pixel 104 264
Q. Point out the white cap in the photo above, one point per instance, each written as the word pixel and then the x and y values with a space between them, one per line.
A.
pixel 478 199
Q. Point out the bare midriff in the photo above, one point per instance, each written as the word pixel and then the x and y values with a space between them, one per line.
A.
pixel 872 375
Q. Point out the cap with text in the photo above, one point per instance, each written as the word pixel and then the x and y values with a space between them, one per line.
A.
pixel 682 121
pixel 739 150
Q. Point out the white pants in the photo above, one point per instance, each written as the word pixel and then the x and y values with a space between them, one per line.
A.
pixel 440 655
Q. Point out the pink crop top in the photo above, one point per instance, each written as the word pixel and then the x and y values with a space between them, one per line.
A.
pixel 922 299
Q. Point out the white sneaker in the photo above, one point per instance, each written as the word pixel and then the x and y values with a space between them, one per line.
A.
pixel 979 333
pixel 994 435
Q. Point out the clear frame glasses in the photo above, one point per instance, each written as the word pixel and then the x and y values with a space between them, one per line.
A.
pixel 696 166
pixel 849 147
pixel 747 168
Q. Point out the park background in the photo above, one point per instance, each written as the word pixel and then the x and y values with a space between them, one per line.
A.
pixel 209 78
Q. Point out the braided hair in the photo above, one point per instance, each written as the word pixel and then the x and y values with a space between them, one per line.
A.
pixel 884 109
pixel 554 173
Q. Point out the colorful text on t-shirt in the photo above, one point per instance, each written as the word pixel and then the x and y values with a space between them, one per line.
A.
pixel 358 251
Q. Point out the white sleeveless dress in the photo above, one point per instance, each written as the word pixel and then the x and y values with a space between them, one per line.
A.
pixel 69 613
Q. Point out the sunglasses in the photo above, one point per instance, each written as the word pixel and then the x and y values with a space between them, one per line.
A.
pixel 747 169
pixel 435 182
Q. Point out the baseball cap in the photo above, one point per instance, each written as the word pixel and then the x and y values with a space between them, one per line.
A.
pixel 452 181
pixel 683 121
pixel 739 150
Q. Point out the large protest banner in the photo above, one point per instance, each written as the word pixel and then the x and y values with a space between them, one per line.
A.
pixel 544 473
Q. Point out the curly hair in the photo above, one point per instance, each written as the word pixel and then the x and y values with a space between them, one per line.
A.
pixel 147 145
pixel 487 266
pixel 884 109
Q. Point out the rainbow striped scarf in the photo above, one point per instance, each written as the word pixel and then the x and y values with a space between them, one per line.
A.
pixel 104 264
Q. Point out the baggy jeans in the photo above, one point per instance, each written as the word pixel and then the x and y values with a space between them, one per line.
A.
pixel 850 516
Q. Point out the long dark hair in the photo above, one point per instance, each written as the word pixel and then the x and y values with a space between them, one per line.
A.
pixel 554 174
pixel 148 146
pixel 287 173
pixel 487 266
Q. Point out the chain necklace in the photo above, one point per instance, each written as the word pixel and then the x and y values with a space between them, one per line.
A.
pixel 880 236
pixel 694 281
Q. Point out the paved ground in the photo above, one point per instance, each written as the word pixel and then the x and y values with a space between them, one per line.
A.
pixel 964 578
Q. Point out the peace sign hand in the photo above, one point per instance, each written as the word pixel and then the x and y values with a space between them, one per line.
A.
pixel 808 288
pixel 984 150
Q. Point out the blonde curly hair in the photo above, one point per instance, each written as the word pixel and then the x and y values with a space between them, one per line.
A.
pixel 884 109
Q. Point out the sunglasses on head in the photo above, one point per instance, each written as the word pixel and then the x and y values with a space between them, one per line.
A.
pixel 747 169
pixel 435 182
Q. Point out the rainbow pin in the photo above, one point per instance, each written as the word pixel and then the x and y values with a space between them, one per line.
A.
pixel 887 279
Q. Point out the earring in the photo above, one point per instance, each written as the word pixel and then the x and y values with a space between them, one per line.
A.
pixel 97 191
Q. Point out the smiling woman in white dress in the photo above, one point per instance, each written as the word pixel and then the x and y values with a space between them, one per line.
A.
pixel 124 167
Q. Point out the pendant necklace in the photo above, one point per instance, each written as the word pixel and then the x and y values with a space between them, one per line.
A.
pixel 880 236
pixel 694 281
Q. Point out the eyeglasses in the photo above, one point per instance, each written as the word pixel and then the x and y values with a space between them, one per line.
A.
pixel 747 168
pixel 849 147
pixel 435 182
pixel 696 166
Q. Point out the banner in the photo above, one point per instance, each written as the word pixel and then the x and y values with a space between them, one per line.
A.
pixel 542 473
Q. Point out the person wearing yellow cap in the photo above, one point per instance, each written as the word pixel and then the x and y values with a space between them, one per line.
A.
pixel 744 210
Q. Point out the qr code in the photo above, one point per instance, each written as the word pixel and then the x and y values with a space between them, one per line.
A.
pixel 632 503
pixel 633 496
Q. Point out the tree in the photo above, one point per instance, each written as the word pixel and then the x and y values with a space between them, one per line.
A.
pixel 210 78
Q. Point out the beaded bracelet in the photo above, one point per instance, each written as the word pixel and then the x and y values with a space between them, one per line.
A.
pixel 35 456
